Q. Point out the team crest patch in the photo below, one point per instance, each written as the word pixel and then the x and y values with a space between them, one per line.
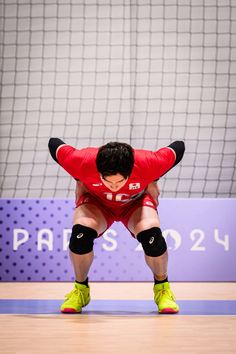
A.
pixel 134 185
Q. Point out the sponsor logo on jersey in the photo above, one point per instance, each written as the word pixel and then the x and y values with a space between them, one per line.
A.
pixel 97 184
pixel 134 185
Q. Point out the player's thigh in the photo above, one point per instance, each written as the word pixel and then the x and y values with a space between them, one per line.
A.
pixel 91 216
pixel 143 218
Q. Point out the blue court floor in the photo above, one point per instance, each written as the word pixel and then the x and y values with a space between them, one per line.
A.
pixel 120 307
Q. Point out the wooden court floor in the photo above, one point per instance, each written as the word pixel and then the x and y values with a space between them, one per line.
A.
pixel 113 332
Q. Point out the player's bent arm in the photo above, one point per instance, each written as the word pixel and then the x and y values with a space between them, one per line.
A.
pixel 167 158
pixel 67 157
pixel 54 145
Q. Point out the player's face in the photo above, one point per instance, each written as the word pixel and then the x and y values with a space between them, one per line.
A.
pixel 114 182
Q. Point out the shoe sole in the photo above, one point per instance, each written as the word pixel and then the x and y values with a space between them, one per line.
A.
pixel 168 311
pixel 70 310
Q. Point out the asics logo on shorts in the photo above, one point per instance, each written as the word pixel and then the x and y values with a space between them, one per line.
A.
pixel 80 235
pixel 151 240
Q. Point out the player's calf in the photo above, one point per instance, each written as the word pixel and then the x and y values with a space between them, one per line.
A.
pixel 154 245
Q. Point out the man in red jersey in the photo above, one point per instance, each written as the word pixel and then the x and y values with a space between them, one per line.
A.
pixel 115 181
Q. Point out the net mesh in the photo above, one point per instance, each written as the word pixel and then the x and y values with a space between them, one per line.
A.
pixel 142 72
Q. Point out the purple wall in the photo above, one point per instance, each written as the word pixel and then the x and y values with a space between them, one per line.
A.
pixel 201 236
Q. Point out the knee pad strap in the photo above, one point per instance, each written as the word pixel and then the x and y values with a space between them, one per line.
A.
pixel 154 244
pixel 82 237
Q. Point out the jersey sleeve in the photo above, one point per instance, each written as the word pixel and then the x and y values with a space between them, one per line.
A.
pixel 159 162
pixel 71 160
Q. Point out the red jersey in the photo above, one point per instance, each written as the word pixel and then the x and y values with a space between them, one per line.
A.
pixel 148 166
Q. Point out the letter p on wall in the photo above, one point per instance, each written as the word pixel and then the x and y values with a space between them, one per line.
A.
pixel 17 240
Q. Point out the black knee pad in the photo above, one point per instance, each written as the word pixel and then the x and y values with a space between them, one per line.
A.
pixel 153 242
pixel 82 237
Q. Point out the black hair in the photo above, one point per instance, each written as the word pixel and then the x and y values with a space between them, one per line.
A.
pixel 115 157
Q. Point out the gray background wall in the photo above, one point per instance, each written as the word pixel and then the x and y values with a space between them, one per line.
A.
pixel 143 72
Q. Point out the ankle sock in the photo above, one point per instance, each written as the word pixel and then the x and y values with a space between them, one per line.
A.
pixel 161 281
pixel 85 282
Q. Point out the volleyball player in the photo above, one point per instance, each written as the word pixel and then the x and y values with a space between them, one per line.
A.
pixel 116 178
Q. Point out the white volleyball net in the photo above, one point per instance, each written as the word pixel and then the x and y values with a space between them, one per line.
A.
pixel 142 72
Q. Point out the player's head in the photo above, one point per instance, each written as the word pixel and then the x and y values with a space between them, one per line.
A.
pixel 115 162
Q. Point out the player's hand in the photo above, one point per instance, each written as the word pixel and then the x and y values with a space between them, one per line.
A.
pixel 154 190
pixel 80 189
pixel 158 190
